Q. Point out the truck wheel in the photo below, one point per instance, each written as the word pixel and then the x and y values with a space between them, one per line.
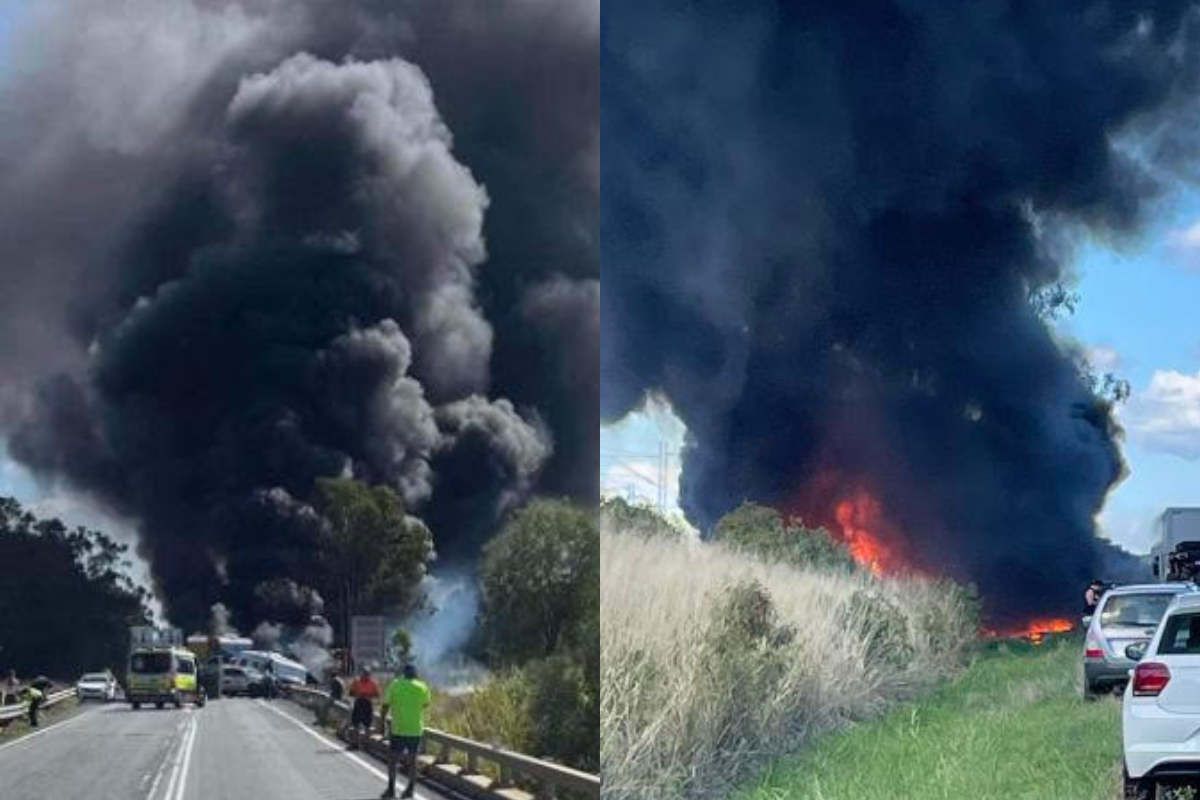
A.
pixel 1138 788
pixel 136 705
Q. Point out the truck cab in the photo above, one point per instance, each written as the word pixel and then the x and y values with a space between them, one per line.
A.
pixel 1177 549
pixel 162 675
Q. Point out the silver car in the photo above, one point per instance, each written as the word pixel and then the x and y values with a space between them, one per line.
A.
pixel 1125 615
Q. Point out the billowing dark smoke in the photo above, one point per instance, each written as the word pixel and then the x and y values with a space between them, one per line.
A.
pixel 823 223
pixel 247 244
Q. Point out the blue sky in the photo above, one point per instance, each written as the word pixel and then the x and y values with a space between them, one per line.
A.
pixel 1138 316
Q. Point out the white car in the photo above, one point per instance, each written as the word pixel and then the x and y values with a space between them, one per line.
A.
pixel 1160 716
pixel 97 686
pixel 235 680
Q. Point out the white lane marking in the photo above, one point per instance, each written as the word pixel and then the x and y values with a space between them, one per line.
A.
pixel 187 759
pixel 183 760
pixel 341 748
pixel 168 749
pixel 54 727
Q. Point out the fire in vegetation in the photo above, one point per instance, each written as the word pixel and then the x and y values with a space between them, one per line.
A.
pixel 856 517
pixel 859 521
pixel 1034 630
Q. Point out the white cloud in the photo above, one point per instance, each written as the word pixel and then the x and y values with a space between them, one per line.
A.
pixel 1104 358
pixel 1187 237
pixel 1184 245
pixel 1165 416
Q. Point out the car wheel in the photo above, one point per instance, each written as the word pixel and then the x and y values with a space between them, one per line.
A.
pixel 136 706
pixel 159 704
pixel 1089 691
pixel 1139 788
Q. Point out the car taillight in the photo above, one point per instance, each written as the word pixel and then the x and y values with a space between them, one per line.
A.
pixel 1150 679
pixel 1092 649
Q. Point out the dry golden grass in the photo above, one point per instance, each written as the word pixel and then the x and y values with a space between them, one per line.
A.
pixel 690 707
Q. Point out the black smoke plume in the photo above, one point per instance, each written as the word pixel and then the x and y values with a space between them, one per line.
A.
pixel 822 226
pixel 247 244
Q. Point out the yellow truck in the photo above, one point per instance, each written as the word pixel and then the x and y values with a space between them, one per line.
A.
pixel 162 675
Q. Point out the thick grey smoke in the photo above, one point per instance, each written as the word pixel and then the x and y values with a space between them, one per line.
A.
pixel 249 244
pixel 822 226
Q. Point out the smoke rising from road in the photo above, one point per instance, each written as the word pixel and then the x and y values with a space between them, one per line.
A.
pixel 248 244
pixel 822 226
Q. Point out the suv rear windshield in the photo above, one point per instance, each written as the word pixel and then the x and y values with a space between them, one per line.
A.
pixel 150 662
pixel 1181 636
pixel 94 677
pixel 1136 610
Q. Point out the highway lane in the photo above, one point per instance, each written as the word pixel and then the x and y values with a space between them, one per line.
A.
pixel 233 749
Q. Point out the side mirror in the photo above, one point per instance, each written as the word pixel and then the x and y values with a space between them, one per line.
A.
pixel 1136 651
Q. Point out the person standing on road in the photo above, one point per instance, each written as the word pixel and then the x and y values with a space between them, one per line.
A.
pixel 12 689
pixel 406 699
pixel 35 703
pixel 365 692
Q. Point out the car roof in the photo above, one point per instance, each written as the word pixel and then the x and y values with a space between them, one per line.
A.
pixel 1188 601
pixel 1177 588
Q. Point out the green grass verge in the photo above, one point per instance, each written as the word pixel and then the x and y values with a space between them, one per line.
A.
pixel 1012 725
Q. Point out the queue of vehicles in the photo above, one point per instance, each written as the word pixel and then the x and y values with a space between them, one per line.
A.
pixel 1144 640
pixel 163 671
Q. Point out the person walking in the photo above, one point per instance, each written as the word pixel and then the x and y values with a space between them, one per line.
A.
pixel 405 700
pixel 365 692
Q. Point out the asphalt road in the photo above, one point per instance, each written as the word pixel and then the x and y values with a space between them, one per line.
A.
pixel 233 749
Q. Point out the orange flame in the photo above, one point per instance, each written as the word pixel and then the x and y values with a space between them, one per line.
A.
pixel 859 517
pixel 1035 630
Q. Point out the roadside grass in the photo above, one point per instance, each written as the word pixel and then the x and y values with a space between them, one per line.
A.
pixel 19 727
pixel 715 662
pixel 1012 725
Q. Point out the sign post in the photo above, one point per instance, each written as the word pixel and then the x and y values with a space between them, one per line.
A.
pixel 368 643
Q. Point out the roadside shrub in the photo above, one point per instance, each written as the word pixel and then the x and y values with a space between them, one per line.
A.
pixel 495 713
pixel 714 660
pixel 762 532
pixel 887 641
pixel 636 520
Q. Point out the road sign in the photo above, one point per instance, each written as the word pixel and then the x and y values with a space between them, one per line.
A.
pixel 368 640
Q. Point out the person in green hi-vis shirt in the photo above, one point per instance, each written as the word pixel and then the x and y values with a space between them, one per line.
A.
pixel 406 699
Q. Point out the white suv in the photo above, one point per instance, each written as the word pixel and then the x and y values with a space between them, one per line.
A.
pixel 1160 718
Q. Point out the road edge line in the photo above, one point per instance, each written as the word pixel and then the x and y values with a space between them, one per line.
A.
pixel 49 728
pixel 419 791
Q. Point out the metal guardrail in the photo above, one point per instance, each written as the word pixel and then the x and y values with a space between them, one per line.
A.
pixel 518 777
pixel 11 712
